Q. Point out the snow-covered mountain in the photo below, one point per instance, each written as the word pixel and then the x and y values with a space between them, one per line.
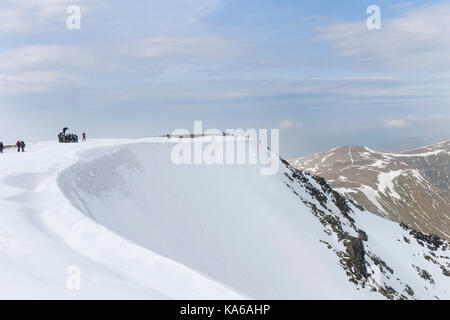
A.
pixel 139 226
pixel 411 187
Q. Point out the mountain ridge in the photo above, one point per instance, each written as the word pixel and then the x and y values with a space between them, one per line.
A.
pixel 411 186
pixel 139 226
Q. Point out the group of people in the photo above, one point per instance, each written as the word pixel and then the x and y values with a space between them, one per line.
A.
pixel 64 137
pixel 70 137
pixel 20 145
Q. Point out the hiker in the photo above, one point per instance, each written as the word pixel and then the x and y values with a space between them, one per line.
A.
pixel 1 147
pixel 22 146
pixel 18 145
pixel 84 136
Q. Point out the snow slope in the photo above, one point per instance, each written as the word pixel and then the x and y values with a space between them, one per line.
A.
pixel 42 234
pixel 227 221
pixel 141 227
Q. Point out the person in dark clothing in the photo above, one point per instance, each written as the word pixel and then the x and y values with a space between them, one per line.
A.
pixel 1 147
pixel 84 136
pixel 22 146
pixel 18 145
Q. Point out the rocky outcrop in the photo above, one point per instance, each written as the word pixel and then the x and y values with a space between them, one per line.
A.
pixel 357 259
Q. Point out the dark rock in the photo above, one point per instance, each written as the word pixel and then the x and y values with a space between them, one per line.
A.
pixel 433 241
pixel 355 249
pixel 424 274
pixel 362 235
pixel 409 291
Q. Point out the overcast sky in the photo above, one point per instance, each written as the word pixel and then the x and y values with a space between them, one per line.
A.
pixel 311 68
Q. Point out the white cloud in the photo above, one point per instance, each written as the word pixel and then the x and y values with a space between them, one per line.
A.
pixel 40 15
pixel 289 124
pixel 34 81
pixel 43 15
pixel 413 120
pixel 286 124
pixel 176 56
pixel 199 8
pixel 180 12
pixel 416 40
pixel 301 92
pixel 396 123
pixel 40 67
pixel 192 48
pixel 45 56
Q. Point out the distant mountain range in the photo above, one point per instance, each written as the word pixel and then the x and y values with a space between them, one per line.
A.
pixel 412 187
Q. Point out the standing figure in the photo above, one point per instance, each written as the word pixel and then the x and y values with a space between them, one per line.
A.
pixel 22 146
pixel 84 136
pixel 1 147
pixel 18 145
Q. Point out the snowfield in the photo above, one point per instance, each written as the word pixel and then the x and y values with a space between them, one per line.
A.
pixel 140 227
pixel 42 234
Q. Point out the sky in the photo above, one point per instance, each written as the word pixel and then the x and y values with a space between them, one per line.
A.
pixel 311 68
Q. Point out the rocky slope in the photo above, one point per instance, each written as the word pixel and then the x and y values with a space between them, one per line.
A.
pixel 410 187
pixel 355 239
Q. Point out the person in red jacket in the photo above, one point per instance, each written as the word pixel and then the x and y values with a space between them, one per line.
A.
pixel 84 136
pixel 18 145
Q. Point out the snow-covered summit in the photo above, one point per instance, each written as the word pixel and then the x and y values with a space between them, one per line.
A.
pixel 139 226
